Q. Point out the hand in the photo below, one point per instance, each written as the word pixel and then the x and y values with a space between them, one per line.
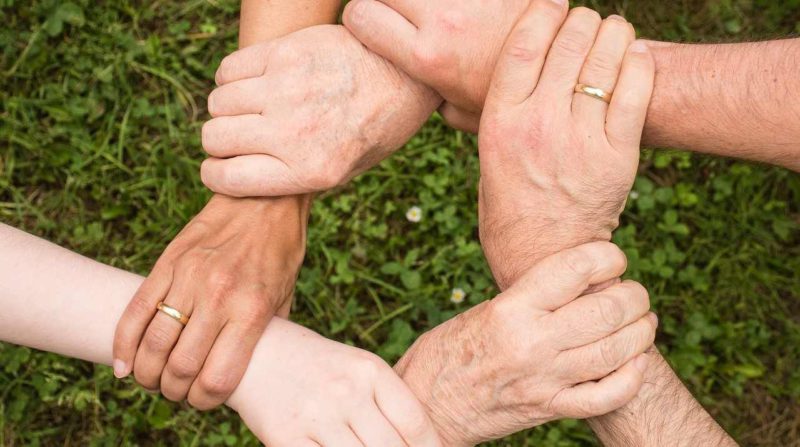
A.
pixel 532 354
pixel 307 113
pixel 557 166
pixel 450 45
pixel 231 269
pixel 303 390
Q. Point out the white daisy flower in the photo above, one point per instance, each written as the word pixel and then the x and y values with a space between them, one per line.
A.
pixel 458 295
pixel 414 214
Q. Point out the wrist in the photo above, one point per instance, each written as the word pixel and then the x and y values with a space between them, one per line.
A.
pixel 516 250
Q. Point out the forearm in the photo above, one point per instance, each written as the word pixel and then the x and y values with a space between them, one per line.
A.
pixel 263 20
pixel 664 413
pixel 58 301
pixel 735 100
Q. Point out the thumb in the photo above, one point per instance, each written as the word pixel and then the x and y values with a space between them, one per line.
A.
pixel 564 276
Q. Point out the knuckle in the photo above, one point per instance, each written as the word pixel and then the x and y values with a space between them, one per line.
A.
pixel 452 22
pixel 578 263
pixel 217 385
pixel 368 367
pixel 609 355
pixel 586 14
pixel 553 10
pixel 189 262
pixel 183 366
pixel 617 24
pixel 602 62
pixel 572 43
pixel 414 425
pixel 257 314
pixel 219 279
pixel 637 294
pixel 342 388
pixel 521 50
pixel 429 57
pixel 611 314
pixel 140 306
pixel 158 339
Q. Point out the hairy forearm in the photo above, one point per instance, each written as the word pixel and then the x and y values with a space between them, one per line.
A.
pixel 664 413
pixel 736 100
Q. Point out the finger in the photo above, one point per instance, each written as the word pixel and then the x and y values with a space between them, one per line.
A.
pixel 560 278
pixel 372 428
pixel 599 359
pixel 339 437
pixel 249 62
pixel 628 109
pixel 593 317
pixel 568 53
pixel 460 119
pixel 227 362
pixel 255 175
pixel 591 399
pixel 525 51
pixel 161 336
pixel 404 411
pixel 243 97
pixel 385 31
pixel 602 69
pixel 187 358
pixel 231 136
pixel 137 316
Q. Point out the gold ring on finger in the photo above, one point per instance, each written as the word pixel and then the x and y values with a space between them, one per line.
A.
pixel 594 92
pixel 173 313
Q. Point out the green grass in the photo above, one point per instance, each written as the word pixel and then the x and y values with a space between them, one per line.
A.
pixel 100 109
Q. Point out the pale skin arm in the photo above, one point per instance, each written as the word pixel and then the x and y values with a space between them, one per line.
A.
pixel 58 301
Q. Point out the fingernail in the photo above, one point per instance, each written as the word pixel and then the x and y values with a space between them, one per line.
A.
pixel 120 369
pixel 617 18
pixel 641 362
pixel 653 318
pixel 639 47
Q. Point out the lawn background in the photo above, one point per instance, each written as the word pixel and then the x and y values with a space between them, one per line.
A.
pixel 101 105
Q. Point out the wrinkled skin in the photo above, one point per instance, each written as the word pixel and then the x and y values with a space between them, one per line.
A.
pixel 556 166
pixel 556 169
pixel 450 45
pixel 532 354
pixel 307 113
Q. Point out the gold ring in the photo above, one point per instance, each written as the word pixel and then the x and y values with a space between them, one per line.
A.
pixel 173 313
pixel 594 92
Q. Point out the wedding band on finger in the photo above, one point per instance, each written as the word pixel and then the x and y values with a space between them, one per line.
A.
pixel 594 92
pixel 173 313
